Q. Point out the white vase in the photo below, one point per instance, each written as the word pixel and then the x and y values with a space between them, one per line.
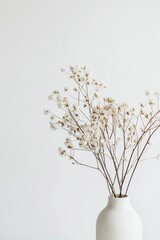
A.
pixel 118 221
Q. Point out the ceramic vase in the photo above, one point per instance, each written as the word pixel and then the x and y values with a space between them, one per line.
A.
pixel 118 221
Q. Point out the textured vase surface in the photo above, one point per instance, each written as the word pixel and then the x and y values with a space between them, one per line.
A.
pixel 118 221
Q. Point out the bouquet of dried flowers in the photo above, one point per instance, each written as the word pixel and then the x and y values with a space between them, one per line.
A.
pixel 114 133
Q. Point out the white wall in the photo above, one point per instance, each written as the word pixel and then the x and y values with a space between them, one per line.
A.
pixel 42 196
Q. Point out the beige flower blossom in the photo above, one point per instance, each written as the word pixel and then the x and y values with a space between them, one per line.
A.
pixel 62 152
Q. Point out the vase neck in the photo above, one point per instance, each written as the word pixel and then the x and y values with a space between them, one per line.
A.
pixel 118 202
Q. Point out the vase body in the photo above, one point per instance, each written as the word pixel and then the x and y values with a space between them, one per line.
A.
pixel 118 221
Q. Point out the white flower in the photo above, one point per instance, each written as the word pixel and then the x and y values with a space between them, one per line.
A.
pixel 151 102
pixel 74 107
pixel 75 89
pixel 86 72
pixel 62 152
pixel 147 93
pixel 74 69
pixel 50 97
pixel 53 127
pixel 84 144
pixel 141 105
pixel 62 70
pixel 65 89
pixel 52 117
pixel 68 143
pixel 55 93
pixel 65 102
pixel 59 102
pixel 46 112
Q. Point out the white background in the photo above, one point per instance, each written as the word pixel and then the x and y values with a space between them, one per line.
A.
pixel 43 196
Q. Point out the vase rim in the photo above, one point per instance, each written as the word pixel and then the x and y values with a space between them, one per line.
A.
pixel 118 202
pixel 117 198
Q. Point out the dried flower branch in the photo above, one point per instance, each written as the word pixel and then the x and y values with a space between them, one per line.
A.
pixel 115 134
